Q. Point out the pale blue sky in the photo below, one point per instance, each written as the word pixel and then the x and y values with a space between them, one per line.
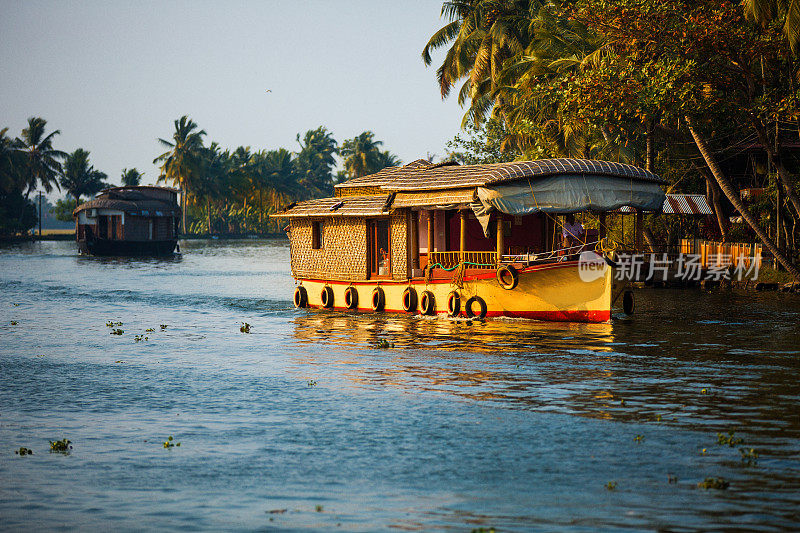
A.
pixel 113 76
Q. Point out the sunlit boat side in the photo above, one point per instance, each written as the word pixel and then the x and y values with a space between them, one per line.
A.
pixel 472 240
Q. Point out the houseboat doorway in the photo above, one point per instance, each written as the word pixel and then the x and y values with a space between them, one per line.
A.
pixel 378 251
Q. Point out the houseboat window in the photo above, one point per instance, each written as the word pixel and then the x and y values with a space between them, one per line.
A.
pixel 378 247
pixel 316 235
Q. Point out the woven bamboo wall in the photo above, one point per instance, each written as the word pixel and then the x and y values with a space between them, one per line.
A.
pixel 358 191
pixel 399 237
pixel 343 255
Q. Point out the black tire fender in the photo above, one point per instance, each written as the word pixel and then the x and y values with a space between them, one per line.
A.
pixel 481 303
pixel 300 297
pixel 326 296
pixel 507 277
pixel 453 304
pixel 410 300
pixel 378 299
pixel 628 302
pixel 351 298
pixel 427 303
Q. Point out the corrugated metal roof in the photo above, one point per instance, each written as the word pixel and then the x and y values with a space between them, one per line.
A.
pixel 682 204
pixel 420 199
pixel 687 204
pixel 421 175
pixel 352 206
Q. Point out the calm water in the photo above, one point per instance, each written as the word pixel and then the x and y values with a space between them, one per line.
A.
pixel 303 424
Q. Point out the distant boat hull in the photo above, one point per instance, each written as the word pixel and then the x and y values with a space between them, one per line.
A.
pixel 103 247
pixel 551 292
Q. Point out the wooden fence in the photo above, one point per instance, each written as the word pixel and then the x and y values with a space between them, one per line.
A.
pixel 451 259
pixel 722 253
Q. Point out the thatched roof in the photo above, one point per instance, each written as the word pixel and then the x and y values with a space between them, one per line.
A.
pixel 137 200
pixel 420 175
pixel 133 207
pixel 350 206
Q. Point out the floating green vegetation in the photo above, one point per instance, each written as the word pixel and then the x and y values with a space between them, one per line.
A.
pixel 383 344
pixel 277 511
pixel 638 438
pixel 23 451
pixel 658 418
pixel 170 444
pixel 714 483
pixel 622 401
pixel 245 327
pixel 112 324
pixel 703 452
pixel 483 530
pixel 318 508
pixel 13 322
pixel 15 305
pixel 40 355
pixel 60 446
pixel 704 391
pixel 312 383
pixel 164 326
pixel 149 330
pixel 749 456
pixel 611 485
pixel 730 439
pixel 140 338
pixel 672 479
pixel 119 361
pixel 117 331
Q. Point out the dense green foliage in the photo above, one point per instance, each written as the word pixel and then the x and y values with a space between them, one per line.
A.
pixel 235 191
pixel 671 86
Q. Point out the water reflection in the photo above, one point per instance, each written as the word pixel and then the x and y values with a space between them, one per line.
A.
pixel 698 369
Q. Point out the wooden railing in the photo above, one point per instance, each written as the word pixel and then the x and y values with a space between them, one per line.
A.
pixel 452 259
pixel 722 253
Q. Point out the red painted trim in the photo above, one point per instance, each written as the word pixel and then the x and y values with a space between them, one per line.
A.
pixel 549 316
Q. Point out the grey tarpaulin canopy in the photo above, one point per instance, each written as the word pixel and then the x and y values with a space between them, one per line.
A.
pixel 565 193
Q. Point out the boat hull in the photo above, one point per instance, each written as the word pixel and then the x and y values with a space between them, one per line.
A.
pixel 553 292
pixel 103 247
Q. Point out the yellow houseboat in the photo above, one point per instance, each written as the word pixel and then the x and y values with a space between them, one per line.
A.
pixel 472 240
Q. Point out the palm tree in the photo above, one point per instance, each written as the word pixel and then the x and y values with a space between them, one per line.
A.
pixel 733 196
pixel 181 163
pixel 80 178
pixel 315 160
pixel 361 154
pixel 785 12
pixel 386 159
pixel 131 177
pixel 42 163
pixel 12 179
pixel 484 34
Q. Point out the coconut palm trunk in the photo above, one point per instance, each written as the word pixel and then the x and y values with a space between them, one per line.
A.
pixel 774 160
pixel 712 192
pixel 732 195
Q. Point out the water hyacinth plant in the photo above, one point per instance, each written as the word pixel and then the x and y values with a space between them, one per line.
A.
pixel 170 444
pixel 60 446
pixel 717 483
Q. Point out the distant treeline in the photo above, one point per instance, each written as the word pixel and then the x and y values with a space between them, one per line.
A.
pixel 224 191
pixel 235 191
